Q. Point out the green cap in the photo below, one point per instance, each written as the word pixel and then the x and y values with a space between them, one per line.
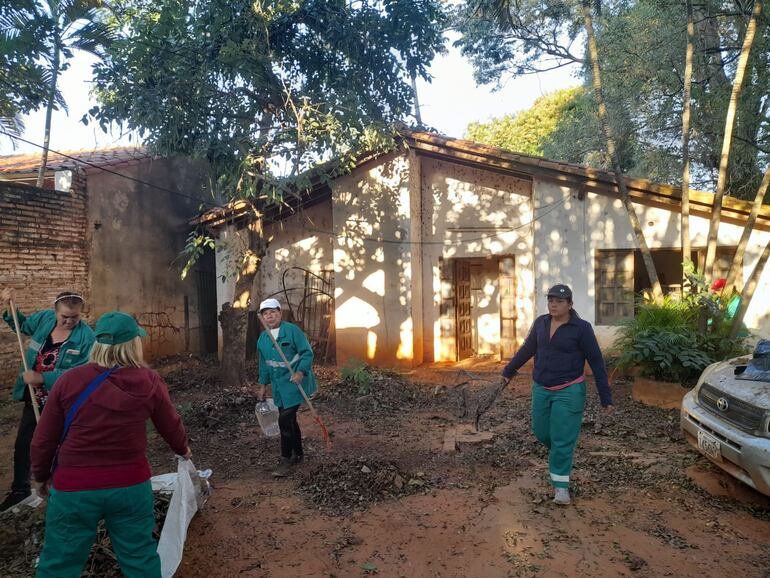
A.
pixel 115 327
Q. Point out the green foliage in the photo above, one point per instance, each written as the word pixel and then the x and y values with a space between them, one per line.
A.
pixel 642 52
pixel 527 131
pixel 37 39
pixel 677 339
pixel 359 374
pixel 22 75
pixel 196 245
pixel 266 90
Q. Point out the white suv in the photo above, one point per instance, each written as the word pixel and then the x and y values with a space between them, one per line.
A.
pixel 727 417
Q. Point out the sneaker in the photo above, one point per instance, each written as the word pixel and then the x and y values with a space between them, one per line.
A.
pixel 283 469
pixel 297 460
pixel 561 496
pixel 13 498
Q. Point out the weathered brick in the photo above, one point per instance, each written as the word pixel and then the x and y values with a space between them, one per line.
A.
pixel 42 252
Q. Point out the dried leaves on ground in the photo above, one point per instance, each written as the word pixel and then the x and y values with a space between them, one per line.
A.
pixel 343 486
pixel 21 534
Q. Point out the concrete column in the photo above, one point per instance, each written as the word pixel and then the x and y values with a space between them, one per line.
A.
pixel 416 235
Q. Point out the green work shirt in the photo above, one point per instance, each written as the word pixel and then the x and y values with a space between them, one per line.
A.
pixel 74 351
pixel 273 371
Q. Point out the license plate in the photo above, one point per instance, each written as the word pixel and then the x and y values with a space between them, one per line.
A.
pixel 710 446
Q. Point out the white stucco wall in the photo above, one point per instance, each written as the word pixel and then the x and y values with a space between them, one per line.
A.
pixel 566 241
pixel 372 263
pixel 302 240
pixel 475 213
pixel 390 225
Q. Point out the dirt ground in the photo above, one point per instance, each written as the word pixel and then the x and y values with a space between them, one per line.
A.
pixel 387 501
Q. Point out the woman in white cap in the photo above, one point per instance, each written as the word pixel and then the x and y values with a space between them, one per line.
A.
pixel 285 380
pixel 561 343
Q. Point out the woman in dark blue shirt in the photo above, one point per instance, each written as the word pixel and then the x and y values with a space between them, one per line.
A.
pixel 561 343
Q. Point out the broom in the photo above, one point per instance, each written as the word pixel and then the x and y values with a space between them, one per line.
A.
pixel 32 395
pixel 319 421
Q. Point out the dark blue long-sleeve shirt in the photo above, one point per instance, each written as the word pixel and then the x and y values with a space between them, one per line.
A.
pixel 561 359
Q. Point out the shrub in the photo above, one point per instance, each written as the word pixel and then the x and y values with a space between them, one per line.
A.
pixel 675 340
pixel 358 373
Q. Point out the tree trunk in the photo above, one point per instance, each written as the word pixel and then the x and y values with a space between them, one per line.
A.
pixel 716 212
pixel 733 275
pixel 48 113
pixel 748 291
pixel 417 112
pixel 593 51
pixel 235 317
pixel 686 247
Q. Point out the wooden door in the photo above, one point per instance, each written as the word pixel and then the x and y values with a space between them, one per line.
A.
pixel 463 308
pixel 507 282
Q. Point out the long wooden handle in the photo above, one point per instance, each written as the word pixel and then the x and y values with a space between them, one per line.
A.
pixel 31 388
pixel 288 365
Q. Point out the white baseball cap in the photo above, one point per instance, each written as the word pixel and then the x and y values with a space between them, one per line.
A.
pixel 269 304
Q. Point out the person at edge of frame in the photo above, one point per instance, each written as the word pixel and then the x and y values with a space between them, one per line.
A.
pixel 98 469
pixel 59 340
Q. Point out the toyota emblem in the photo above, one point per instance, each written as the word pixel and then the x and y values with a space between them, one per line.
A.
pixel 722 404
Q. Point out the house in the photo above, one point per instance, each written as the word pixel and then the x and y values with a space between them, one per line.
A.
pixel 444 249
pixel 109 224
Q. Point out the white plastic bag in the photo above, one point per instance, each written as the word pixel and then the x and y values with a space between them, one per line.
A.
pixel 185 500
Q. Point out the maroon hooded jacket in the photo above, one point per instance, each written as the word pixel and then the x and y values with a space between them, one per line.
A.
pixel 106 443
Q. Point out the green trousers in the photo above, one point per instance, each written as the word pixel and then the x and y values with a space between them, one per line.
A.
pixel 70 531
pixel 556 420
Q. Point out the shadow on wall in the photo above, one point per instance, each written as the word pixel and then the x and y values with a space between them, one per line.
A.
pixel 372 258
pixel 482 217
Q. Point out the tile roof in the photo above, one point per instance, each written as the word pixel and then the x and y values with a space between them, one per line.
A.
pixel 23 164
pixel 581 178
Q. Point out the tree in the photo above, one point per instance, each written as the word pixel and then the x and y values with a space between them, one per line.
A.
pixel 528 36
pixel 641 47
pixel 716 212
pixel 593 52
pixel 563 125
pixel 265 91
pixel 22 77
pixel 686 99
pixel 529 131
pixel 67 26
pixel 39 37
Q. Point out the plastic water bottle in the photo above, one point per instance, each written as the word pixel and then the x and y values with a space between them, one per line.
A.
pixel 267 416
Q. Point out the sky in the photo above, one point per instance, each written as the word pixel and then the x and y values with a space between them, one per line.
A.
pixel 448 103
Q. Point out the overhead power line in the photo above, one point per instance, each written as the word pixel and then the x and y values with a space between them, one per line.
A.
pixel 110 171
pixel 551 206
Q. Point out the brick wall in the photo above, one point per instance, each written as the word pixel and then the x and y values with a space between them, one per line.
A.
pixel 43 251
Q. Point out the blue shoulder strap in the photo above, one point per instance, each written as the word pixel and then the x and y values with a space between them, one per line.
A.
pixel 81 399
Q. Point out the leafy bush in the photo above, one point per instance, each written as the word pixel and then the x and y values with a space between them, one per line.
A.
pixel 677 339
pixel 359 374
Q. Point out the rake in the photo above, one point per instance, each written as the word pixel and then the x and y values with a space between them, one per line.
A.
pixel 32 395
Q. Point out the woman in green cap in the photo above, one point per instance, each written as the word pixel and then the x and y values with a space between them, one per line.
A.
pixel 285 381
pixel 59 340
pixel 97 468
